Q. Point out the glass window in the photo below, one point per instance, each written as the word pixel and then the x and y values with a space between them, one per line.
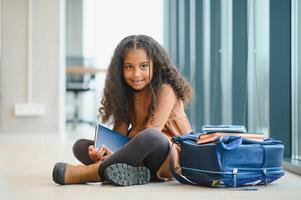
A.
pixel 296 83
pixel 226 61
pixel 258 66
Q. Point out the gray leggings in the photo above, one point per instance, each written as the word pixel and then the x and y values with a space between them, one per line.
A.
pixel 149 146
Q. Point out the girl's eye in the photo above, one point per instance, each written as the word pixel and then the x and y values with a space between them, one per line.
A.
pixel 144 66
pixel 128 66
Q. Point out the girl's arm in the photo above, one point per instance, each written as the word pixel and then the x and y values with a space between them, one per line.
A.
pixel 165 103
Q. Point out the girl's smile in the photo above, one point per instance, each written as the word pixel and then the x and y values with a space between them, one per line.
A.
pixel 137 69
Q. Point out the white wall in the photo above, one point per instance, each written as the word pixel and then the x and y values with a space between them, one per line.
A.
pixel 116 19
pixel 47 65
pixel 74 28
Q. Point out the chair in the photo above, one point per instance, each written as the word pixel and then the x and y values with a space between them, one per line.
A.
pixel 79 79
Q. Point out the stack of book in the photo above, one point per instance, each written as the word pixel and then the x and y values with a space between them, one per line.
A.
pixel 224 128
pixel 212 132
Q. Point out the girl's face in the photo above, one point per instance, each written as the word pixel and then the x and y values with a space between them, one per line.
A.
pixel 137 69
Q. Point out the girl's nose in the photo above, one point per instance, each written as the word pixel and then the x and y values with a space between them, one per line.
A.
pixel 137 72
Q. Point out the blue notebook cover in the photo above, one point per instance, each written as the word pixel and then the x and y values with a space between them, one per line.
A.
pixel 111 139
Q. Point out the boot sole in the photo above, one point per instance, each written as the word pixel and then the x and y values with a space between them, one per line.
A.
pixel 58 173
pixel 125 175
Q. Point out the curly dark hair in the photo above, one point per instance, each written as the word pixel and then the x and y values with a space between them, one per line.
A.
pixel 117 94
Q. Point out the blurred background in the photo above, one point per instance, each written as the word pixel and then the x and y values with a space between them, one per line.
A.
pixel 240 56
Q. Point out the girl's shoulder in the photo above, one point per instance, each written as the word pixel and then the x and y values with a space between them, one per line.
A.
pixel 166 89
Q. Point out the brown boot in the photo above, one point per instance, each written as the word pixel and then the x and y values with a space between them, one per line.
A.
pixel 64 173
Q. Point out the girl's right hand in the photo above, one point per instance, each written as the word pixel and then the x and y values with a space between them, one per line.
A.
pixel 95 154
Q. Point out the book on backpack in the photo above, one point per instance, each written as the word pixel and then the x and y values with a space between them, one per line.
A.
pixel 207 138
pixel 212 132
pixel 224 128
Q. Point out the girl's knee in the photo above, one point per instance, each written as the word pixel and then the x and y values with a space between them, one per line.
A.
pixel 153 136
pixel 151 131
pixel 81 145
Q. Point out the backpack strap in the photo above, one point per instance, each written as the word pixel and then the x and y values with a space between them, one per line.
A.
pixel 179 177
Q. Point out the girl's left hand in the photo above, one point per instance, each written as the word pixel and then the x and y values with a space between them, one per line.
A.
pixel 106 152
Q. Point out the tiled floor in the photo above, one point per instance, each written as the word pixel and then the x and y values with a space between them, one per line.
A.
pixel 26 163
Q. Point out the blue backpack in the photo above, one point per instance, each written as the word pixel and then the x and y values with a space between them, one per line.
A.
pixel 230 161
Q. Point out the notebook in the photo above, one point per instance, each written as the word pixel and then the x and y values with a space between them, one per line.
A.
pixel 111 139
pixel 207 138
pixel 224 128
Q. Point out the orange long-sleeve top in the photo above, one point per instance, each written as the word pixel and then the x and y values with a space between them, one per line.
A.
pixel 169 117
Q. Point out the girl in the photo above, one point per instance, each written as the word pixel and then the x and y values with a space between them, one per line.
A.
pixel 143 97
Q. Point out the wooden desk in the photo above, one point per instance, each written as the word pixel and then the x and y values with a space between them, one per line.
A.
pixel 83 70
